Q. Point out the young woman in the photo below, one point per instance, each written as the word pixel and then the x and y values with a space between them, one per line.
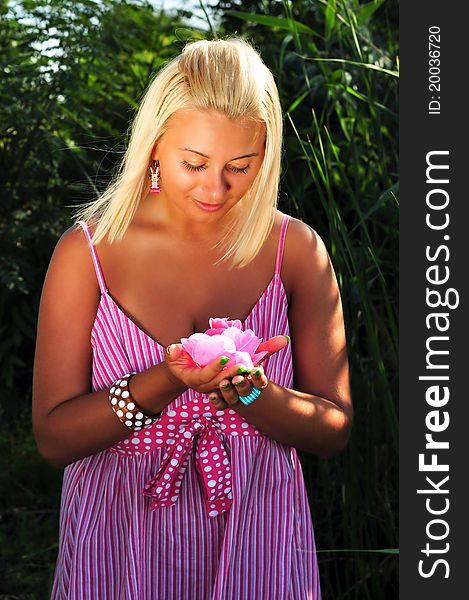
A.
pixel 182 482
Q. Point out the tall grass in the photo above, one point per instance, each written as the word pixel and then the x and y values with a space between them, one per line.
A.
pixel 337 75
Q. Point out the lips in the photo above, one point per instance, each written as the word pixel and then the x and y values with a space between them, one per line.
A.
pixel 208 207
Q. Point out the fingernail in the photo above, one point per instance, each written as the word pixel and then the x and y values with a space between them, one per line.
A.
pixel 242 370
pixel 257 372
pixel 237 380
pixel 224 360
pixel 224 385
pixel 212 398
pixel 287 337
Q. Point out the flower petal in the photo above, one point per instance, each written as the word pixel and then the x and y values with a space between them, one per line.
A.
pixel 240 357
pixel 204 348
pixel 214 331
pixel 223 323
pixel 246 341
pixel 256 358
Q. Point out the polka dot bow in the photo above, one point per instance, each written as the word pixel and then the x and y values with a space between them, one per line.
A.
pixel 212 464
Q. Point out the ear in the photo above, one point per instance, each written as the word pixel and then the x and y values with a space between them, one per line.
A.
pixel 155 153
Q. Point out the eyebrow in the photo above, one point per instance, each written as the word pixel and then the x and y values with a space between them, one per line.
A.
pixel 205 156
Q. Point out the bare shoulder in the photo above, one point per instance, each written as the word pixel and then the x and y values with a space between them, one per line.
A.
pixel 301 234
pixel 71 263
pixel 70 294
pixel 71 243
pixel 305 255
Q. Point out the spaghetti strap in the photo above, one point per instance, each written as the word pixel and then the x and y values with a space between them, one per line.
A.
pixel 97 266
pixel 281 244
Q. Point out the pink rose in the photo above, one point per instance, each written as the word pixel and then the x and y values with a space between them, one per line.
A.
pixel 218 325
pixel 225 338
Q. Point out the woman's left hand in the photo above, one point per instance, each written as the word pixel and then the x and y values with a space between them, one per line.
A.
pixel 241 385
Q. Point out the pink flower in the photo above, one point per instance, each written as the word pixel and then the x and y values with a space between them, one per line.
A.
pixel 218 325
pixel 224 337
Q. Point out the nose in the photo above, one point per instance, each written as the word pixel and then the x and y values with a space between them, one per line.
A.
pixel 215 186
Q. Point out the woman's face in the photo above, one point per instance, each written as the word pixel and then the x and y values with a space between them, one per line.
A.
pixel 208 162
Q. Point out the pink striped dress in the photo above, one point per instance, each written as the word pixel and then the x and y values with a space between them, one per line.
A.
pixel 201 505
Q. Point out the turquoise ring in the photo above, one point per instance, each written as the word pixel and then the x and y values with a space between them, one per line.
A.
pixel 249 399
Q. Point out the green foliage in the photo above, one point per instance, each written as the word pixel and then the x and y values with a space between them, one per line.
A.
pixel 29 515
pixel 72 76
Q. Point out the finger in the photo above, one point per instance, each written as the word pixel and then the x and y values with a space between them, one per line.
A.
pixel 274 344
pixel 258 377
pixel 214 368
pixel 174 352
pixel 217 401
pixel 228 391
pixel 242 385
pixel 230 372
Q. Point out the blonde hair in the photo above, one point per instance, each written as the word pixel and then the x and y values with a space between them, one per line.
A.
pixel 227 76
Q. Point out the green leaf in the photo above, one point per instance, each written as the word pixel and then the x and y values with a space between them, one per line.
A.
pixel 330 16
pixel 296 102
pixel 345 61
pixel 276 22
pixel 367 10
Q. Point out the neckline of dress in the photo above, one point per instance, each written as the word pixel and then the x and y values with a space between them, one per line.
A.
pixel 155 341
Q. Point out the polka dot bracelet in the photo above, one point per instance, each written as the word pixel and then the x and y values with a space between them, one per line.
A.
pixel 125 406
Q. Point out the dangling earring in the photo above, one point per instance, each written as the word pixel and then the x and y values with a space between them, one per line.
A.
pixel 154 175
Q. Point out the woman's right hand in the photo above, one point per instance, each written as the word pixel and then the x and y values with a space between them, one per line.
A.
pixel 182 369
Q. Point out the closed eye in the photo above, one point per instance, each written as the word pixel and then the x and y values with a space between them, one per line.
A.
pixel 190 167
pixel 193 167
pixel 243 170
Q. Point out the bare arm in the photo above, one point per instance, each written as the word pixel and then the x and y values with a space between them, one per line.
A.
pixel 69 420
pixel 317 415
